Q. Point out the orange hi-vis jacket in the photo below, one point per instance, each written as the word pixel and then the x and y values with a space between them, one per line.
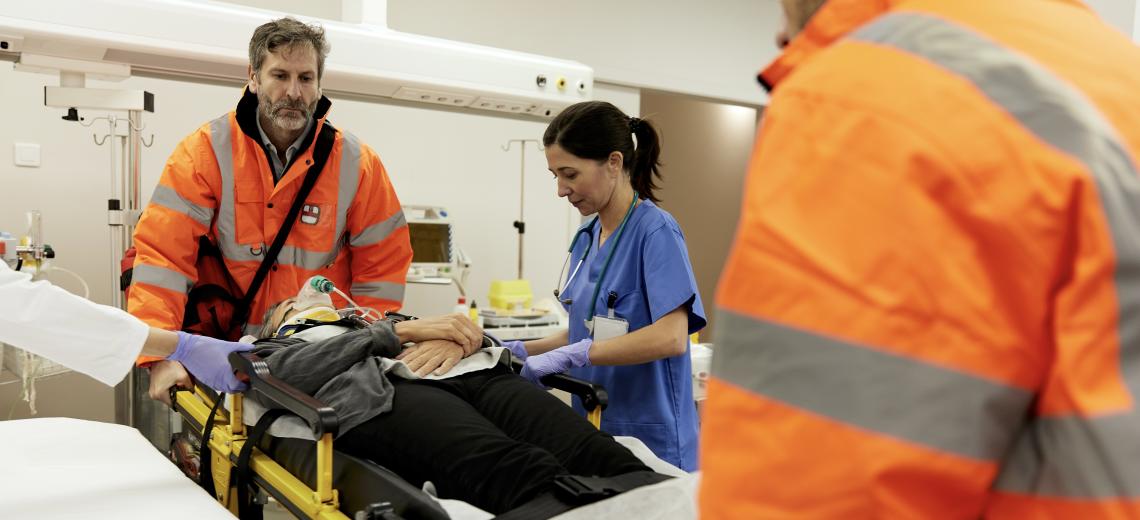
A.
pixel 219 182
pixel 932 306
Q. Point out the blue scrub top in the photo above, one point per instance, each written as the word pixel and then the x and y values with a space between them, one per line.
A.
pixel 652 276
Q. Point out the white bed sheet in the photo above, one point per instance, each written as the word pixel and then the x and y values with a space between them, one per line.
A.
pixel 69 468
pixel 54 468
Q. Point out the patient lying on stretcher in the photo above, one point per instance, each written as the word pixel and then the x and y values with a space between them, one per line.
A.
pixel 437 412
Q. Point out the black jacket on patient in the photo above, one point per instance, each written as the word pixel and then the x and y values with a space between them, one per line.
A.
pixel 342 371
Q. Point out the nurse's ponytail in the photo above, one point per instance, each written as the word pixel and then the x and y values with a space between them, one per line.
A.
pixel 595 129
pixel 647 158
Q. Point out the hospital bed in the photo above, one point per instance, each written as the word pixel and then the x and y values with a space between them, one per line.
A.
pixel 70 468
pixel 309 478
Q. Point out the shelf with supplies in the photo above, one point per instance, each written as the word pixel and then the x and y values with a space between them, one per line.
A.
pixel 430 280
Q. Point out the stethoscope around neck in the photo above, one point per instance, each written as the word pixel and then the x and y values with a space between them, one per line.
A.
pixel 589 232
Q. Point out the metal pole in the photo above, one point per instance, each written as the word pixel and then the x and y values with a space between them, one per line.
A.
pixel 124 391
pixel 134 180
pixel 132 167
pixel 125 196
pixel 522 199
pixel 520 224
pixel 114 205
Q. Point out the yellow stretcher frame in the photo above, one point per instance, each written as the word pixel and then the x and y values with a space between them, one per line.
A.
pixel 229 436
pixel 227 440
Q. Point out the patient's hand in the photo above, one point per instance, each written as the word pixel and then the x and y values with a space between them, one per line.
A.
pixel 455 327
pixel 433 356
pixel 167 374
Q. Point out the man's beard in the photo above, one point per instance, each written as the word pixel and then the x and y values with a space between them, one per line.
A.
pixel 284 119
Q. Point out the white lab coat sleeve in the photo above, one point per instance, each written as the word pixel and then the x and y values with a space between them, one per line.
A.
pixel 97 340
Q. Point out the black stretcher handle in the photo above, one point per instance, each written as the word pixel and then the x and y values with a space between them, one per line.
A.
pixel 592 395
pixel 277 394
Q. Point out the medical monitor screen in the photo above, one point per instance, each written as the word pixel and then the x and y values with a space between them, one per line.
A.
pixel 431 243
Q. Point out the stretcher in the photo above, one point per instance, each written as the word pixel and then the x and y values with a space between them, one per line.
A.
pixel 308 478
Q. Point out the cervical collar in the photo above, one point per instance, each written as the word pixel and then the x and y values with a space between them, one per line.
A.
pixel 326 314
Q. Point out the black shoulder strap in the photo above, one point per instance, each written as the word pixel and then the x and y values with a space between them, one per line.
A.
pixel 321 151
pixel 205 455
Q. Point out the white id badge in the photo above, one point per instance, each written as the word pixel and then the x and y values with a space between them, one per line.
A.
pixel 609 328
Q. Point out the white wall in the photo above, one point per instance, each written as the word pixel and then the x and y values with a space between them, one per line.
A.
pixel 1118 13
pixel 1136 25
pixel 709 49
pixel 706 49
pixel 434 157
pixel 484 230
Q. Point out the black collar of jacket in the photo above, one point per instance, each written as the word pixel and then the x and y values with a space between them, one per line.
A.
pixel 247 119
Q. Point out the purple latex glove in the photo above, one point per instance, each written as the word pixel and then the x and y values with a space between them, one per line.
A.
pixel 518 350
pixel 561 359
pixel 206 359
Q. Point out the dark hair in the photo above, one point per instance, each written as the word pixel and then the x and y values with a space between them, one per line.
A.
pixel 288 32
pixel 595 129
pixel 268 329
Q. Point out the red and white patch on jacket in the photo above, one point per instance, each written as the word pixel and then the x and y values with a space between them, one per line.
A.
pixel 310 214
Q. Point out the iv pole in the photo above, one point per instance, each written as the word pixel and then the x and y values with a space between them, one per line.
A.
pixel 520 224
pixel 126 172
pixel 123 206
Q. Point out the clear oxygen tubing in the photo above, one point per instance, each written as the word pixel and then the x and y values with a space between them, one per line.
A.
pixel 365 312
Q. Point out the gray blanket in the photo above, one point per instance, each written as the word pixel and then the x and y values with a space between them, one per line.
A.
pixel 343 371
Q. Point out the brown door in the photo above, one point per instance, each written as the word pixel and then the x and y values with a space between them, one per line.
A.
pixel 704 150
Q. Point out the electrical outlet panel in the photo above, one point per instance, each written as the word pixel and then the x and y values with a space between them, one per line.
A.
pixel 10 43
pixel 433 96
pixel 503 105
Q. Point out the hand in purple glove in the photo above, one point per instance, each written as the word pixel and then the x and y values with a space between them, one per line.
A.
pixel 206 359
pixel 561 359
pixel 518 350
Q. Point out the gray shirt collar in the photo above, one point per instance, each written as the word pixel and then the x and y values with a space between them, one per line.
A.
pixel 274 159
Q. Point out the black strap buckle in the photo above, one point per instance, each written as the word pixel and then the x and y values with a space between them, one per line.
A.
pixel 378 511
pixel 583 490
pixel 396 317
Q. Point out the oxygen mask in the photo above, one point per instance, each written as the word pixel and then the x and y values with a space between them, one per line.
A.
pixel 313 303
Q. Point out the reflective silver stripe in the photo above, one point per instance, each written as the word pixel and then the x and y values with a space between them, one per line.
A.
pixel 169 198
pixel 304 258
pixel 1078 457
pixel 161 277
pixel 893 395
pixel 382 290
pixel 379 231
pixel 347 185
pixel 289 255
pixel 221 139
pixel 1075 457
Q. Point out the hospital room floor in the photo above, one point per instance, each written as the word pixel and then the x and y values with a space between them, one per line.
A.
pixel 275 511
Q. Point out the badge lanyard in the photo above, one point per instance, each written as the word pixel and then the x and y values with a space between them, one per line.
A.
pixel 606 265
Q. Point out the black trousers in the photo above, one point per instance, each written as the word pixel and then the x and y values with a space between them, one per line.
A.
pixel 489 438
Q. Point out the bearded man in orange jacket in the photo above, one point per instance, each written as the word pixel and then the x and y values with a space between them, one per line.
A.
pixel 234 181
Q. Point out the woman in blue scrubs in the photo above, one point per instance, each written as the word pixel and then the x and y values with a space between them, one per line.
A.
pixel 628 284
